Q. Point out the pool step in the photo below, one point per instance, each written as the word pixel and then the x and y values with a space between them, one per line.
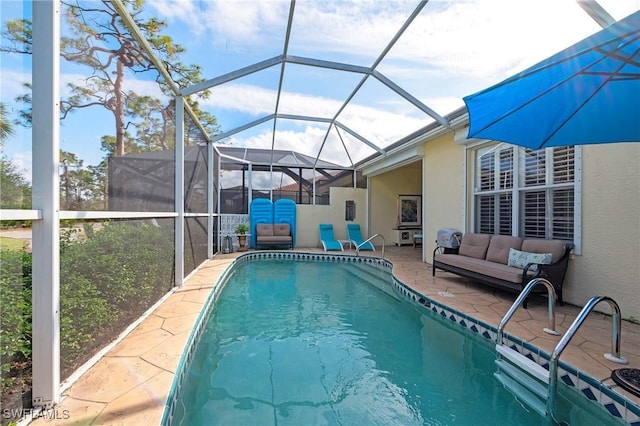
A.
pixel 377 277
pixel 527 380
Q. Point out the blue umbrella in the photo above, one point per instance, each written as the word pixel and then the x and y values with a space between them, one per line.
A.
pixel 588 93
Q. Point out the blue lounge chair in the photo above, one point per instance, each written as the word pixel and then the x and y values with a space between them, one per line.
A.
pixel 355 236
pixel 327 239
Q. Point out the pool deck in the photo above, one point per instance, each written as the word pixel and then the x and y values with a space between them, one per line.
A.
pixel 130 384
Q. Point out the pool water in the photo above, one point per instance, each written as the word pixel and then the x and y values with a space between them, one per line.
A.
pixel 315 343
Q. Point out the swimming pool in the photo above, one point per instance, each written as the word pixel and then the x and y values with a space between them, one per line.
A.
pixel 335 350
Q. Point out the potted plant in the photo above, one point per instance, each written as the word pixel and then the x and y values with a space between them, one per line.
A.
pixel 241 230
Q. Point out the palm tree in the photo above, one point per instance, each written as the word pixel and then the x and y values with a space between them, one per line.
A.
pixel 6 128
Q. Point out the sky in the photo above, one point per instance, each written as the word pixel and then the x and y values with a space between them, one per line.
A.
pixel 452 49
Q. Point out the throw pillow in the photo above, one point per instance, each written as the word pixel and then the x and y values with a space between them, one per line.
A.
pixel 520 259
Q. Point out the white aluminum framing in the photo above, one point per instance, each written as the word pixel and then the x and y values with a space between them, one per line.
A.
pixel 283 59
pixel 210 221
pixel 46 215
pixel 179 191
pixel 46 199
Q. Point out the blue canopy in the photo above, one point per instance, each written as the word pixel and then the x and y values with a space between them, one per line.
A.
pixel 588 93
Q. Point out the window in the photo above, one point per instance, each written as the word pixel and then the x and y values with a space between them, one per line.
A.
pixel 523 192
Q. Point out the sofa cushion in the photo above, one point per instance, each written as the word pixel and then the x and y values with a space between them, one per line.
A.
pixel 480 266
pixel 474 245
pixel 499 247
pixel 264 229
pixel 281 229
pixel 274 239
pixel 520 259
pixel 555 247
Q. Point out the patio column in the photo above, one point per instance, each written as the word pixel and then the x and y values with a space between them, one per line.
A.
pixel 244 198
pixel 179 192
pixel 250 184
pixel 219 189
pixel 210 189
pixel 299 185
pixel 313 186
pixel 46 198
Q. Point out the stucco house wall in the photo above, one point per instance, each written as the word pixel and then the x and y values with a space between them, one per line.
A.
pixel 308 217
pixel 384 190
pixel 609 263
pixel 443 189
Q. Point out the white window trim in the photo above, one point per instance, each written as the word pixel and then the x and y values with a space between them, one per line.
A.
pixel 470 170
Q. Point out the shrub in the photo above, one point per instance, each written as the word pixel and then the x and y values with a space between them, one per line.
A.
pixel 107 278
pixel 83 312
pixel 15 306
pixel 130 265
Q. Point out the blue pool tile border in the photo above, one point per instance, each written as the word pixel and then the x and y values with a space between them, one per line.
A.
pixel 593 390
pixel 586 386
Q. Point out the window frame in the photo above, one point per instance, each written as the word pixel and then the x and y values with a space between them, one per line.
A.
pixel 518 189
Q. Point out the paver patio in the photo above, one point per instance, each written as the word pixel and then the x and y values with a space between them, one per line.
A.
pixel 130 384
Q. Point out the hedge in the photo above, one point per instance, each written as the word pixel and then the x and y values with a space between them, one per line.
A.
pixel 108 277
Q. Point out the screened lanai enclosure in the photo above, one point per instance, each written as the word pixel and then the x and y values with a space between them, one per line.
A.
pixel 131 130
pixel 143 181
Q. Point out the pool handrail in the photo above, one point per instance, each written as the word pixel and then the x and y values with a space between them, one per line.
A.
pixel 369 240
pixel 523 295
pixel 562 344
pixel 566 338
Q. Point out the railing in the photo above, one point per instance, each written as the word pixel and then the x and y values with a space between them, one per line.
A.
pixel 615 343
pixel 369 240
pixel 564 341
pixel 523 295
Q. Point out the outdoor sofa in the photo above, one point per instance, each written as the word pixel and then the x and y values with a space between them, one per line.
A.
pixel 273 234
pixel 507 262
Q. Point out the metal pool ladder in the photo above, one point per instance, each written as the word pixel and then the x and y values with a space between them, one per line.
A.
pixel 369 240
pixel 529 381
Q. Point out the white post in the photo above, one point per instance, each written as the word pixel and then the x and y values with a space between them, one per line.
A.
pixel 179 192
pixel 219 189
pixel 250 186
pixel 46 198
pixel 313 186
pixel 271 180
pixel 210 188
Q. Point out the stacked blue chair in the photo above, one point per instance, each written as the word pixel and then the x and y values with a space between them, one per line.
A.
pixel 284 211
pixel 260 211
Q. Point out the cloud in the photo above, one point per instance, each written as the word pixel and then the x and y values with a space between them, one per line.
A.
pixel 22 161
pixel 457 46
pixel 452 49
pixel 180 10
pixel 493 36
pixel 249 23
pixel 346 28
pixel 244 98
pixel 474 37
pixel 306 139
pixel 130 83
pixel 9 92
pixel 380 126
pixel 480 38
pixel 230 25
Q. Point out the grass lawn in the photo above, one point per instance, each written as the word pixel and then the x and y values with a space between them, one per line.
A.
pixel 14 244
